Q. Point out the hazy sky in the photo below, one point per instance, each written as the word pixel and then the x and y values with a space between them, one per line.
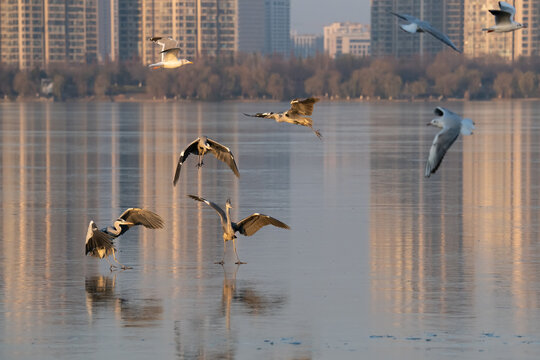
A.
pixel 309 16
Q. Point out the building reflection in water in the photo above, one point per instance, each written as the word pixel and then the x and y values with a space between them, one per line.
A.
pixel 449 244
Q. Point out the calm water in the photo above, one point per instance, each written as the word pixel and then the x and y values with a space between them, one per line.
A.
pixel 379 261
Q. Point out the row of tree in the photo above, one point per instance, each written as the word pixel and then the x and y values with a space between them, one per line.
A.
pixel 254 77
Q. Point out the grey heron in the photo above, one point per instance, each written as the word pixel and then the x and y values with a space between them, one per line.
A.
pixel 452 125
pixel 170 54
pixel 246 227
pixel 200 147
pixel 416 25
pixel 99 243
pixel 504 19
pixel 298 114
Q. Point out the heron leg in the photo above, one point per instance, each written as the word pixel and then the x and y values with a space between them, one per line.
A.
pixel 317 132
pixel 122 266
pixel 200 163
pixel 237 259
pixel 111 264
pixel 223 257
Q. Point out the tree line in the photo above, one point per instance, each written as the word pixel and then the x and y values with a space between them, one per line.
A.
pixel 446 75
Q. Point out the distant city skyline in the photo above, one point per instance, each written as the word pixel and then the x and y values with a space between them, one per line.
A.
pixel 310 16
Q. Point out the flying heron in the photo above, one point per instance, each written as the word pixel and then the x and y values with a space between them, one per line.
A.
pixel 452 125
pixel 200 147
pixel 170 54
pixel 298 114
pixel 99 243
pixel 246 227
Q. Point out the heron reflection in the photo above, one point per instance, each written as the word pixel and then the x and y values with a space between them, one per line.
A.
pixel 101 295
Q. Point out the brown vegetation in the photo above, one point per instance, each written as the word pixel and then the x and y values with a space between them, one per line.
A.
pixel 254 77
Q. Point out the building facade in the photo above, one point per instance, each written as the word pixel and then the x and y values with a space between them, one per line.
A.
pixel 251 19
pixel 277 27
pixel 307 45
pixel 511 45
pixel 347 38
pixel 388 39
pixel 44 32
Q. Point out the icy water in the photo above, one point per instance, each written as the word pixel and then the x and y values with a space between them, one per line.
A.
pixel 379 262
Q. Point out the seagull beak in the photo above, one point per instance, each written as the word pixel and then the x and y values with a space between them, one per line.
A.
pixel 525 26
pixel 428 124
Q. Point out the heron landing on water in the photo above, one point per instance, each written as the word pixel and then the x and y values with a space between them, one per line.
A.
pixel 246 227
pixel 298 114
pixel 200 146
pixel 99 243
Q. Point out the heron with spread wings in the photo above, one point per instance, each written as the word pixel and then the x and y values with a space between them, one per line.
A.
pixel 299 114
pixel 99 243
pixel 202 145
pixel 170 54
pixel 246 227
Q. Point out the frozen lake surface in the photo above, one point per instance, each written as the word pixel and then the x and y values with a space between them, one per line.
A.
pixel 379 262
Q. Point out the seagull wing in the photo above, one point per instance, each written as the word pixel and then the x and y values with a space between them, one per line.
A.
pixel 442 142
pixel 254 222
pixel 425 26
pixel 192 148
pixel 98 240
pixel 171 54
pixel 506 7
pixel 143 217
pixel 214 206
pixel 405 17
pixel 501 17
pixel 224 154
pixel 302 107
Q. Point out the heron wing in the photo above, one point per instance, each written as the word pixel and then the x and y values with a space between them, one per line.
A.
pixel 442 142
pixel 425 26
pixel 98 240
pixel 143 217
pixel 192 148
pixel 224 154
pixel 267 115
pixel 214 206
pixel 254 222
pixel 302 107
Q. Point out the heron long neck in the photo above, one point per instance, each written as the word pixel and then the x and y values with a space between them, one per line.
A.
pixel 228 216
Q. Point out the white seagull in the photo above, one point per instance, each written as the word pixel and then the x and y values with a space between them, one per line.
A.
pixel 170 53
pixel 504 19
pixel 452 125
pixel 416 25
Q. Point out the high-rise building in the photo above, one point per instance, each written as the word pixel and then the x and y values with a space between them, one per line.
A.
pixel 307 45
pixel 388 39
pixel 129 30
pixel 511 45
pixel 39 33
pixel 202 27
pixel 108 30
pixel 251 18
pixel 277 27
pixel 347 38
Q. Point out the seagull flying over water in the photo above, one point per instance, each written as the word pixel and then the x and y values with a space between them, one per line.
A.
pixel 452 125
pixel 246 227
pixel 99 243
pixel 504 19
pixel 416 25
pixel 298 114
pixel 170 53
pixel 200 147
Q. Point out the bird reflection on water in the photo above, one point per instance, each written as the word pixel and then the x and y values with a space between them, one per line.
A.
pixel 101 296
